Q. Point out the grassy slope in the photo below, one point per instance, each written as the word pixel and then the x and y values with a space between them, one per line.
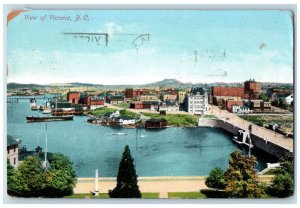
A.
pixel 176 119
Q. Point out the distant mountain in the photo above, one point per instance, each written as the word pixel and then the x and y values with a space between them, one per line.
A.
pixel 168 83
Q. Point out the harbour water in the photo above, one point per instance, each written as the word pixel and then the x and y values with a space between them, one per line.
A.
pixel 167 152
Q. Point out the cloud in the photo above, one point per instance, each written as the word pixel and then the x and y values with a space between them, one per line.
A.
pixel 112 28
pixel 149 64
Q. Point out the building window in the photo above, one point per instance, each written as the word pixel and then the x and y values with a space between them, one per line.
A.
pixel 15 147
pixel 14 160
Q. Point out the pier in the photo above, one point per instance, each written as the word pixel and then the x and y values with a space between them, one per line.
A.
pixel 269 141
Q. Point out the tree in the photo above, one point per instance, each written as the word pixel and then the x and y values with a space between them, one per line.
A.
pixel 264 97
pixel 240 178
pixel 11 177
pixel 60 178
pixel 29 177
pixel 127 179
pixel 283 182
pixel 215 179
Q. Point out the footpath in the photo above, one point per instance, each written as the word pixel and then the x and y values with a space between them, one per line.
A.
pixel 161 185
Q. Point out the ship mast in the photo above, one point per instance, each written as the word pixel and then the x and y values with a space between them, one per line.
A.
pixel 46 148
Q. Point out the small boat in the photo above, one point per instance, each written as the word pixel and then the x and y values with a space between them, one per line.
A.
pixel 34 107
pixel 42 107
pixel 46 111
pixel 119 133
pixel 48 118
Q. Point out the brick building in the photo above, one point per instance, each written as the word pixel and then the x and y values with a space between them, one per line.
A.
pixel 228 91
pixel 128 93
pixel 73 97
pixel 230 103
pixel 252 89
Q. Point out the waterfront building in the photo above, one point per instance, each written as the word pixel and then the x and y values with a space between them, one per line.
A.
pixel 154 123
pixel 94 102
pixel 13 150
pixel 196 101
pixel 73 97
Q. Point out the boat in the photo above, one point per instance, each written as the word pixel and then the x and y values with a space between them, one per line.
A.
pixel 119 133
pixel 46 111
pixel 48 118
pixel 42 107
pixel 34 107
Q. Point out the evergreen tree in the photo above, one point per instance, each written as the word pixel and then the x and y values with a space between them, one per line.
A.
pixel 241 180
pixel 215 179
pixel 127 179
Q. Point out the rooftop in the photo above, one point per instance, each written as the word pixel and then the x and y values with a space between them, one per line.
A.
pixel 12 141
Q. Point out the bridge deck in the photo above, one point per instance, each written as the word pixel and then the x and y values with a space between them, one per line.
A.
pixel 270 136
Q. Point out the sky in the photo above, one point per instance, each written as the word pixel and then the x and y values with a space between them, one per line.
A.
pixel 150 45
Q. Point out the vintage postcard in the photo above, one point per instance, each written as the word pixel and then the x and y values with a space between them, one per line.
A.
pixel 152 104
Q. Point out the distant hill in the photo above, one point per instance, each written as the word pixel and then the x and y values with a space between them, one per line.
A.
pixel 14 85
pixel 166 83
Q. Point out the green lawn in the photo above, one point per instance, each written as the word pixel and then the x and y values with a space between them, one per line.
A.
pixel 150 195
pixel 176 119
pixel 266 119
pixel 88 196
pixel 105 196
pixel 122 105
pixel 186 195
pixel 103 111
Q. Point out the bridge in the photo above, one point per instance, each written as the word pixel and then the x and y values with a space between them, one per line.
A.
pixel 262 136
pixel 15 99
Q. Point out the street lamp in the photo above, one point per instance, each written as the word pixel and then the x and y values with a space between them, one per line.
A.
pixel 250 140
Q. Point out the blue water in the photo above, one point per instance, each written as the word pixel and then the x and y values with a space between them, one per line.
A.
pixel 167 152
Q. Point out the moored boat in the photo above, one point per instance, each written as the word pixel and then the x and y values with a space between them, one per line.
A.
pixel 46 111
pixel 48 118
